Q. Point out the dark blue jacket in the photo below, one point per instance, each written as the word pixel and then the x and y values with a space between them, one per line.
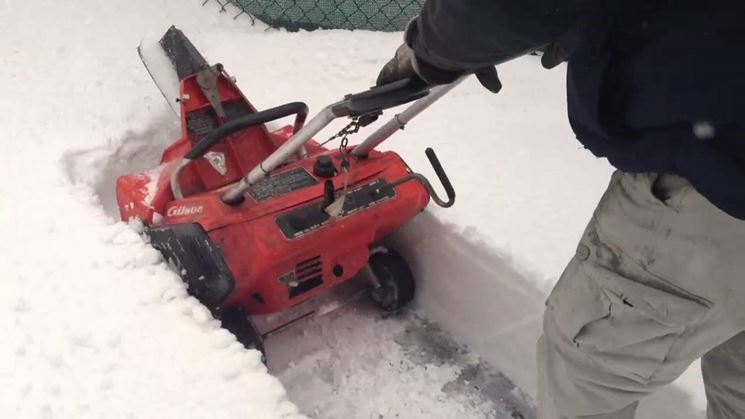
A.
pixel 654 86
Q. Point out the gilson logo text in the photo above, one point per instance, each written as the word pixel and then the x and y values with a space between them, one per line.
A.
pixel 184 210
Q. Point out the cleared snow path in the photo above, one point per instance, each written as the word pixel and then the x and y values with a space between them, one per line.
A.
pixel 358 364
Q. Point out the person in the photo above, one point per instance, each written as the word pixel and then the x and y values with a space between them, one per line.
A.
pixel 658 279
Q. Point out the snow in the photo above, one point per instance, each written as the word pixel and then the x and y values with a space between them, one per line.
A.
pixel 404 380
pixel 95 324
pixel 153 176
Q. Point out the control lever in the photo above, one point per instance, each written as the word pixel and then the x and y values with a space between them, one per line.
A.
pixel 329 194
pixel 435 162
pixel 336 207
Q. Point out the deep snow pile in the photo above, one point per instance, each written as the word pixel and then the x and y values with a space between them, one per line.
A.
pixel 93 324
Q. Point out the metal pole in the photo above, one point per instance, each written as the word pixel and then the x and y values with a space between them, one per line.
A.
pixel 280 155
pixel 400 120
pixel 234 194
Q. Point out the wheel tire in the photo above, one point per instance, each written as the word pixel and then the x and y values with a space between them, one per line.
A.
pixel 237 322
pixel 397 285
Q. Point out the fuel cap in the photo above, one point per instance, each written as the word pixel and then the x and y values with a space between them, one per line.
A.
pixel 324 167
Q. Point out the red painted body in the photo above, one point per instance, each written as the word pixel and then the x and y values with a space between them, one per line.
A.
pixel 252 244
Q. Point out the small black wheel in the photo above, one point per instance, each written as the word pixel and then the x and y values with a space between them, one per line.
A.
pixel 396 281
pixel 237 322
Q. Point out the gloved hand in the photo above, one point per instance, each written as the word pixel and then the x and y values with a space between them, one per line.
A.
pixel 405 65
pixel 553 55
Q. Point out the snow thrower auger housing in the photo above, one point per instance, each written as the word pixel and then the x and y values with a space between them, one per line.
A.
pixel 257 222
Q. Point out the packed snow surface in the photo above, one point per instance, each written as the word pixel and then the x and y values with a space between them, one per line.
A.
pixel 94 324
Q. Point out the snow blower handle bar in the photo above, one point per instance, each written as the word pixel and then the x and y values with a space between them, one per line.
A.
pixel 387 96
pixel 400 120
pixel 299 109
pixel 372 101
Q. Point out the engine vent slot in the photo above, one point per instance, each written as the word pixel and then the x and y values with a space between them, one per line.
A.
pixel 308 269
pixel 308 275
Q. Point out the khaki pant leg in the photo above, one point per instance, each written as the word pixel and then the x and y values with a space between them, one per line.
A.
pixel 547 410
pixel 724 377
pixel 653 287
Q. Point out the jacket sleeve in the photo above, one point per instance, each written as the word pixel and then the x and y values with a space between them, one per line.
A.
pixel 459 35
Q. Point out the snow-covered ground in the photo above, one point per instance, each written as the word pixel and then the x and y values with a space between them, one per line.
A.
pixel 93 323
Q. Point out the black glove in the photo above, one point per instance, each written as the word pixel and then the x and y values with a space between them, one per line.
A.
pixel 553 55
pixel 400 67
pixel 405 65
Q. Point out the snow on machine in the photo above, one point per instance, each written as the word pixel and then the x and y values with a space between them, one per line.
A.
pixel 258 222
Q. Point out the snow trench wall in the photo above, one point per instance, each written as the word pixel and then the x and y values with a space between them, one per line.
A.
pixel 477 293
pixel 293 15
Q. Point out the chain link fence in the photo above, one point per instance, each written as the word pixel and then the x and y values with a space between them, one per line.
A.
pixel 293 15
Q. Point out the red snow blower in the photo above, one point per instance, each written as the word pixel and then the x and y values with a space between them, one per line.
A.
pixel 257 222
